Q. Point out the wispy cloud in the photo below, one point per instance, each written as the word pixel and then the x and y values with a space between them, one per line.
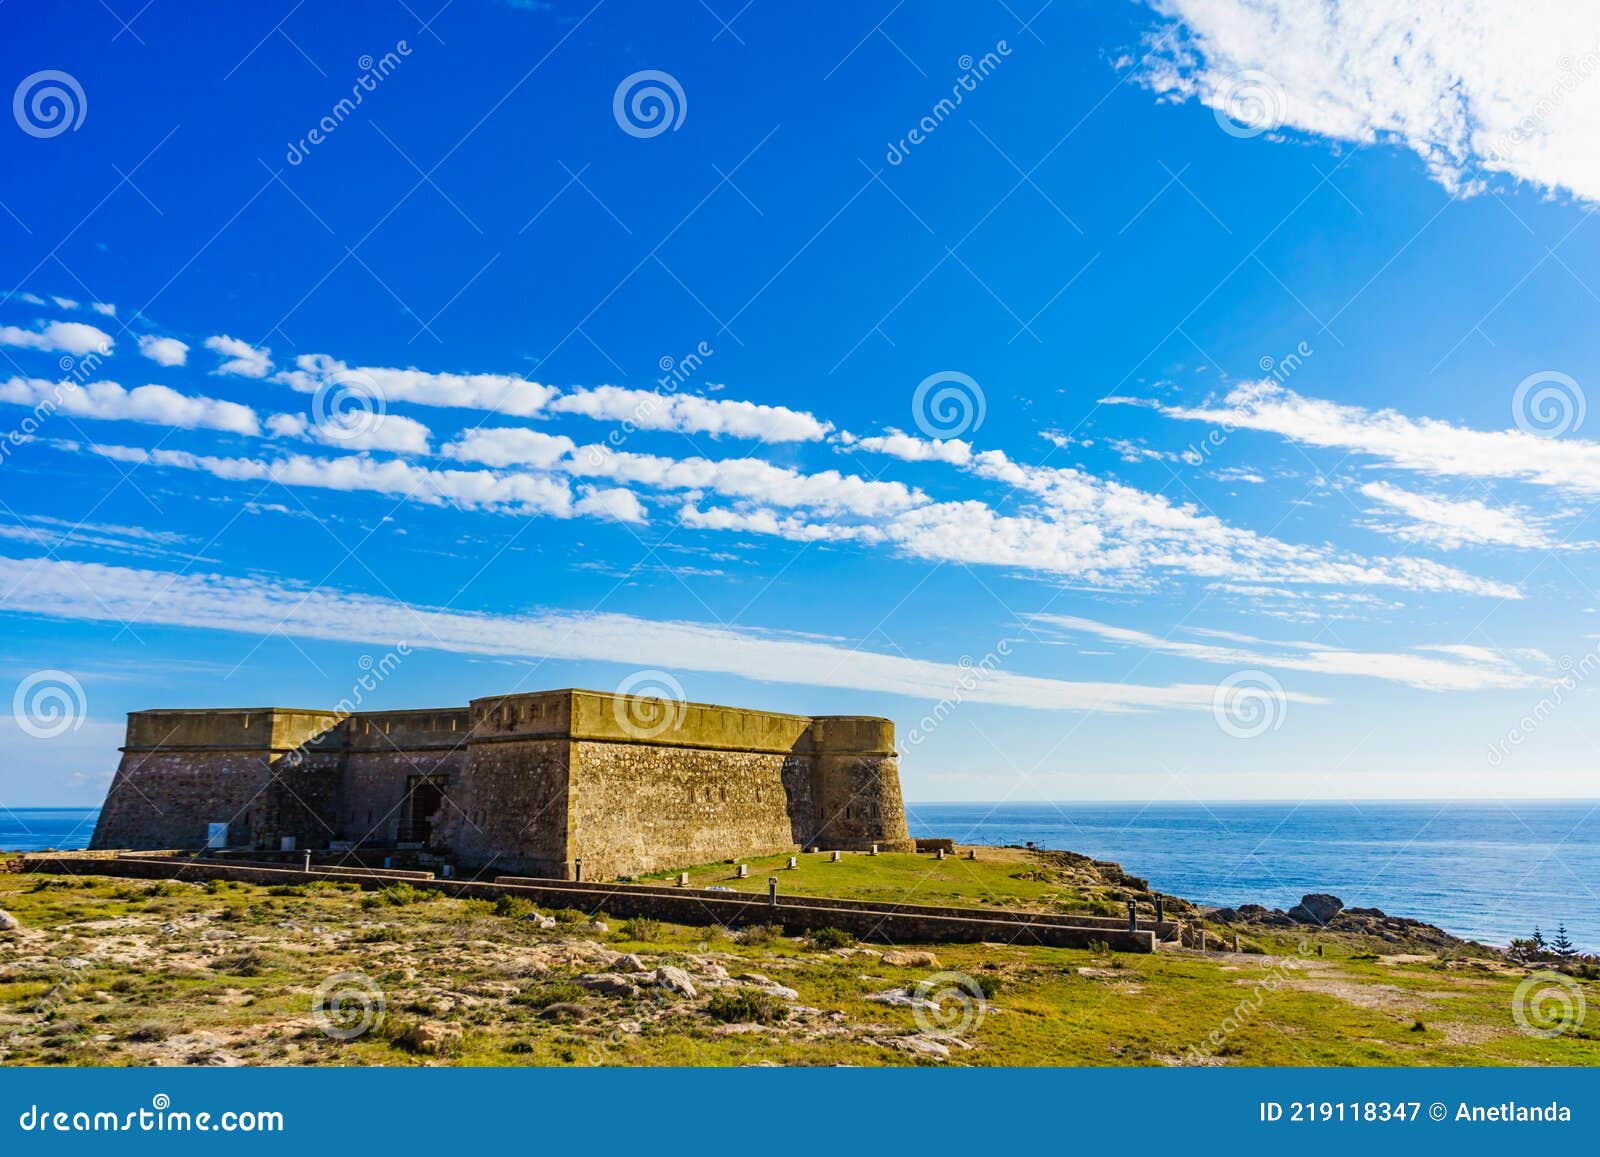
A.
pixel 255 607
pixel 1470 669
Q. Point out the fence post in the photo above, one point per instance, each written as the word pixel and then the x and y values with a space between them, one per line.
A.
pixel 1133 916
pixel 772 891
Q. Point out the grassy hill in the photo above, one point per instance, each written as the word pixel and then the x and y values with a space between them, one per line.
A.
pixel 118 972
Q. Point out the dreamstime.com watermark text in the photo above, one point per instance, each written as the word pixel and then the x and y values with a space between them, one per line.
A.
pixel 159 1117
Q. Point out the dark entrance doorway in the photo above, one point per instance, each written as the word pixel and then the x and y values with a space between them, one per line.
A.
pixel 424 798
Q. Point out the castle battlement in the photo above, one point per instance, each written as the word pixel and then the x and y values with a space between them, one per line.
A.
pixel 529 782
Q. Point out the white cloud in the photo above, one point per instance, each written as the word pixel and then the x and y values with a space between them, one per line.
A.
pixel 83 591
pixel 509 446
pixel 65 302
pixel 109 401
pixel 1501 86
pixel 29 298
pixel 72 337
pixel 498 393
pixel 909 448
pixel 747 478
pixel 479 489
pixel 1473 668
pixel 364 431
pixel 686 413
pixel 164 351
pixel 240 358
pixel 1425 445
pixel 1452 523
pixel 104 308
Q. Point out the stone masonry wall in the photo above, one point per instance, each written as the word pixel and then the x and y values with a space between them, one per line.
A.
pixel 167 799
pixel 638 808
pixel 510 812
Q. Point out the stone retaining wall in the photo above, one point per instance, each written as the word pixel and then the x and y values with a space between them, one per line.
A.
pixel 796 914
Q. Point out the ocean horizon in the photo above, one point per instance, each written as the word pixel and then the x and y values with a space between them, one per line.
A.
pixel 1481 869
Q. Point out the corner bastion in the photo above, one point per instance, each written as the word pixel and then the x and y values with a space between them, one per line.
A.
pixel 564 784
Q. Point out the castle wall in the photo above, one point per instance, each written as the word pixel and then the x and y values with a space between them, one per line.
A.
pixel 520 784
pixel 639 807
pixel 386 754
pixel 510 812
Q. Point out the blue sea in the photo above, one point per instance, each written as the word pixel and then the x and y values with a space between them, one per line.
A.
pixel 1483 870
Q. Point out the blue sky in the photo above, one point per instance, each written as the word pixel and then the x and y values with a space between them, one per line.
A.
pixel 1193 410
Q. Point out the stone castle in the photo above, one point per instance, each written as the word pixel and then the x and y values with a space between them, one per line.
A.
pixel 565 784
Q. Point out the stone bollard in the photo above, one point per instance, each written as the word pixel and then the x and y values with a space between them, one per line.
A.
pixel 939 854
pixel 874 849
pixel 1161 909
pixel 772 891
pixel 1319 950
pixel 793 862
pixel 835 856
pixel 742 871
pixel 972 853
pixel 1202 940
pixel 1236 942
pixel 577 870
pixel 683 879
pixel 1133 916
pixel 305 862
pixel 812 851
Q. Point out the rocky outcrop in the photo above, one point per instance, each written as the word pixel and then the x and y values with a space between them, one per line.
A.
pixel 1318 908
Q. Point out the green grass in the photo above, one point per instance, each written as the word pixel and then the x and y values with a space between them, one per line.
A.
pixel 242 964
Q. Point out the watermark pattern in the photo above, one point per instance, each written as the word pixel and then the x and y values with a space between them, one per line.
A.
pixel 973 73
pixel 1249 104
pixel 649 703
pixel 948 404
pixel 674 372
pixel 373 73
pixel 49 103
pixel 648 103
pixel 49 703
pixel 1548 404
pixel 1547 1004
pixel 348 405
pixel 373 674
pixel 1278 969
pixel 973 673
pixel 1249 703
pixel 79 371
pixel 948 1004
pixel 1573 675
pixel 1280 369
pixel 348 1005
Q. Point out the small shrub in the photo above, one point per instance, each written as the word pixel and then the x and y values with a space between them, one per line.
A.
pixel 287 890
pixel 570 916
pixel 149 1033
pixel 826 938
pixel 642 929
pixel 988 985
pixel 1418 1026
pixel 382 935
pixel 398 895
pixel 519 1047
pixel 746 1006
pixel 512 907
pixel 761 934
pixel 251 963
pixel 551 992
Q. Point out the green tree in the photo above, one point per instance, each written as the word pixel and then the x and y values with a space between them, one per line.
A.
pixel 1561 945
